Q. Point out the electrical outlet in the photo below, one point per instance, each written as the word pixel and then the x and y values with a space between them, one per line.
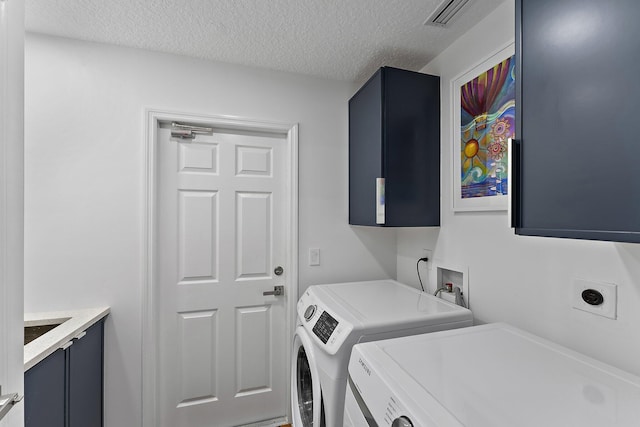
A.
pixel 427 253
pixel 602 297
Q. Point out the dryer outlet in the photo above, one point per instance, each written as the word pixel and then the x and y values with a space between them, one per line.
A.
pixel 584 297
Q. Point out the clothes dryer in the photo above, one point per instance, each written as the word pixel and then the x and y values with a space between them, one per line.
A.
pixel 334 317
pixel 486 376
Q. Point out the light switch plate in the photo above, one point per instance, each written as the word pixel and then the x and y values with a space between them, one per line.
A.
pixel 609 292
pixel 314 256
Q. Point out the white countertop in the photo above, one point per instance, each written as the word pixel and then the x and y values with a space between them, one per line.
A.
pixel 73 322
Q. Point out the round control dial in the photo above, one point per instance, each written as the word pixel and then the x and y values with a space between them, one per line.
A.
pixel 402 422
pixel 309 312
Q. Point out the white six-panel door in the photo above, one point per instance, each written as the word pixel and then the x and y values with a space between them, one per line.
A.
pixel 220 235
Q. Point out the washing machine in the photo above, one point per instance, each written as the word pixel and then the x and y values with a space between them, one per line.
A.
pixel 492 375
pixel 334 317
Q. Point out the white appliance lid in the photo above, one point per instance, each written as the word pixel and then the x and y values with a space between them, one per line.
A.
pixel 387 302
pixel 497 376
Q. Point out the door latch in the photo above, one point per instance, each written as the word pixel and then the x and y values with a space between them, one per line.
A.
pixel 277 291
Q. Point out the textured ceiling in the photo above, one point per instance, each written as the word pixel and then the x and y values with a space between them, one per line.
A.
pixel 338 39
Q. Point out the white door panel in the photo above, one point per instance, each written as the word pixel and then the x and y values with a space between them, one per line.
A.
pixel 253 161
pixel 198 234
pixel 253 332
pixel 221 233
pixel 253 235
pixel 201 158
pixel 197 344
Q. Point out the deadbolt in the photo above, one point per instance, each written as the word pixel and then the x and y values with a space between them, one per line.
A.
pixel 278 271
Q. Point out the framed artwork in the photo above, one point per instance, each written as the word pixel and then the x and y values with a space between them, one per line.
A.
pixel 483 102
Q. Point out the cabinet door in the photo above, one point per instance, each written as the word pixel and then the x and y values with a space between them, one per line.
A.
pixel 365 151
pixel 578 67
pixel 411 148
pixel 86 379
pixel 394 133
pixel 44 390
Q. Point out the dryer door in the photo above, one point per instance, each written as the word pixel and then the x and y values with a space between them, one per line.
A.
pixel 306 394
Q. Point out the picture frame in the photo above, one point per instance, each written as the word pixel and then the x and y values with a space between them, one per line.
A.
pixel 479 158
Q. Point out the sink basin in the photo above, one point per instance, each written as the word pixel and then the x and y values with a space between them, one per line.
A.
pixel 33 332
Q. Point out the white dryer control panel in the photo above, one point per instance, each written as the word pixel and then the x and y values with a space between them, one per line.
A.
pixel 381 407
pixel 372 398
pixel 327 328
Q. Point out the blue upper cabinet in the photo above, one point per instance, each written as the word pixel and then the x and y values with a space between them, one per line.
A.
pixel 394 150
pixel 577 165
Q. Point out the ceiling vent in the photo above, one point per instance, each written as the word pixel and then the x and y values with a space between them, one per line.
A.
pixel 445 12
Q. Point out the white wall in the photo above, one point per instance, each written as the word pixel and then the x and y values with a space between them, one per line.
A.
pixel 525 281
pixel 84 180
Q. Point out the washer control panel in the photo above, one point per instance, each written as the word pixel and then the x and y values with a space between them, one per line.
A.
pixel 325 327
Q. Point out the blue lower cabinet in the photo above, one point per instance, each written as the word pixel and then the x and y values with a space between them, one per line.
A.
pixel 44 389
pixel 86 379
pixel 66 388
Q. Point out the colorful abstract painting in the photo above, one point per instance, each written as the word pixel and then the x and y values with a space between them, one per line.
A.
pixel 487 120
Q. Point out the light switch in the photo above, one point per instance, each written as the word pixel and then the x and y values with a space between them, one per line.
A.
pixel 314 256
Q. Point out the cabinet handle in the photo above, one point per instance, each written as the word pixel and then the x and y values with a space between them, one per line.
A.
pixel 380 201
pixel 66 345
pixel 512 171
pixel 81 335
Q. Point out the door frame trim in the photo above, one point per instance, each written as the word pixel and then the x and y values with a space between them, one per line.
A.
pixel 148 254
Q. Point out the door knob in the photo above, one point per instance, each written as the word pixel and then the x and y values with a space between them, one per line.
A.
pixel 277 291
